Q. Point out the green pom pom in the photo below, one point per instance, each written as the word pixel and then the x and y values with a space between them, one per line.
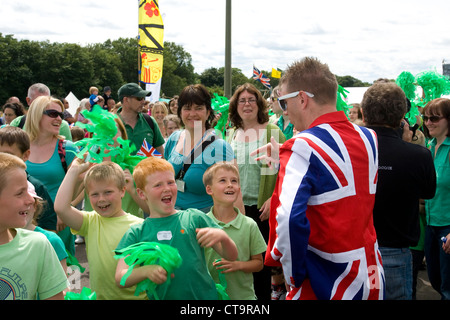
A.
pixel 149 253
pixel 341 104
pixel 434 85
pixel 104 129
pixel 221 105
pixel 406 81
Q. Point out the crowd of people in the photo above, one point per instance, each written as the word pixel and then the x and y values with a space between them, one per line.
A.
pixel 306 202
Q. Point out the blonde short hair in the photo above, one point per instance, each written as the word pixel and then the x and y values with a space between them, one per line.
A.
pixel 35 114
pixel 92 89
pixel 108 171
pixel 208 176
pixel 149 166
pixel 160 106
pixel 8 162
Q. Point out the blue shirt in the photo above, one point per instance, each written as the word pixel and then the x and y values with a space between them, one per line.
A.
pixel 194 195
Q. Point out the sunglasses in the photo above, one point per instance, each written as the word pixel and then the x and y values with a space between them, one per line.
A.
pixel 433 119
pixel 53 113
pixel 282 102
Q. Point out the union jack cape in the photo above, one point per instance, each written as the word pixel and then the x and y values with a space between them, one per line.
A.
pixel 147 150
pixel 259 76
pixel 321 225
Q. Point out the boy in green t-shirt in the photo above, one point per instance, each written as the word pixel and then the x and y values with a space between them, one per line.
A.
pixel 102 228
pixel 222 184
pixel 28 264
pixel 189 231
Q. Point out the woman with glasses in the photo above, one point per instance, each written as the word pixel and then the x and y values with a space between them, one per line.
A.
pixel 436 118
pixel 195 148
pixel 249 114
pixel 50 154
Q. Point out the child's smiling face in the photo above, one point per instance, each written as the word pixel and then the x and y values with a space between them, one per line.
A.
pixel 160 193
pixel 106 197
pixel 15 200
pixel 224 187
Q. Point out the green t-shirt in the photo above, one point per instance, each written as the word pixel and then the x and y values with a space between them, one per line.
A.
pixel 249 241
pixel 51 173
pixel 102 236
pixel 29 267
pixel 143 131
pixel 192 280
pixel 438 208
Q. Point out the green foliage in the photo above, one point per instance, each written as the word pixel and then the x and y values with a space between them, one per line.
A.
pixel 349 81
pixel 66 67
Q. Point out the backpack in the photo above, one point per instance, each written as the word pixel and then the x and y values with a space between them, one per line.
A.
pixel 149 120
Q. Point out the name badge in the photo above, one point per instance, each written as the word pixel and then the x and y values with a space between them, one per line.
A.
pixel 164 235
pixel 180 185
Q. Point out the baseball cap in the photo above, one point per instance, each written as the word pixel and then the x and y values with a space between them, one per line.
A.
pixel 32 191
pixel 132 90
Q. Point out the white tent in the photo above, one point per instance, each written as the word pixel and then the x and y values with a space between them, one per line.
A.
pixel 355 94
pixel 74 103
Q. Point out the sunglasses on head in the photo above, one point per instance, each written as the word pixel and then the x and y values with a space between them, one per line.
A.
pixel 53 113
pixel 433 119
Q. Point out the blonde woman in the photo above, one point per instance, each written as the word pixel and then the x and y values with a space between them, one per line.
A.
pixel 159 112
pixel 50 154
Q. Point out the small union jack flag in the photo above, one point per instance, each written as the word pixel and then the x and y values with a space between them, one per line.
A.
pixel 259 76
pixel 148 151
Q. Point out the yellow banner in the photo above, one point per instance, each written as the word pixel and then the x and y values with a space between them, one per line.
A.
pixel 151 43
pixel 276 73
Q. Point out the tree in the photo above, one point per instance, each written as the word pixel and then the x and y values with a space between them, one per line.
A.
pixel 349 81
pixel 178 70
pixel 127 52
pixel 213 78
pixel 66 67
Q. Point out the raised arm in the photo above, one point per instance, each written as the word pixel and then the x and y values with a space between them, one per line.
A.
pixel 71 216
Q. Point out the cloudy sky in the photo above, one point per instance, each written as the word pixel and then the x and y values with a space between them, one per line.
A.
pixel 364 39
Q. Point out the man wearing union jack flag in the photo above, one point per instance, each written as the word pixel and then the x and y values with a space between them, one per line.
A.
pixel 259 76
pixel 321 225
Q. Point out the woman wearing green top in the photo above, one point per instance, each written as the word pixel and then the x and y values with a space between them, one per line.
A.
pixel 249 114
pixel 437 250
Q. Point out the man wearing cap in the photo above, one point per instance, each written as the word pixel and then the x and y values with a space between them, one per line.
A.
pixel 132 97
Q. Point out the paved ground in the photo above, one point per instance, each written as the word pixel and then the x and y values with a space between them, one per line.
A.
pixel 424 289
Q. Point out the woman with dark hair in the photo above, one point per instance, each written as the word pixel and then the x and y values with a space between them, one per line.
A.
pixel 13 110
pixel 436 118
pixel 195 148
pixel 249 114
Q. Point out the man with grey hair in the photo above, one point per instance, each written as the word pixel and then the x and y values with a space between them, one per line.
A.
pixel 37 90
pixel 406 174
